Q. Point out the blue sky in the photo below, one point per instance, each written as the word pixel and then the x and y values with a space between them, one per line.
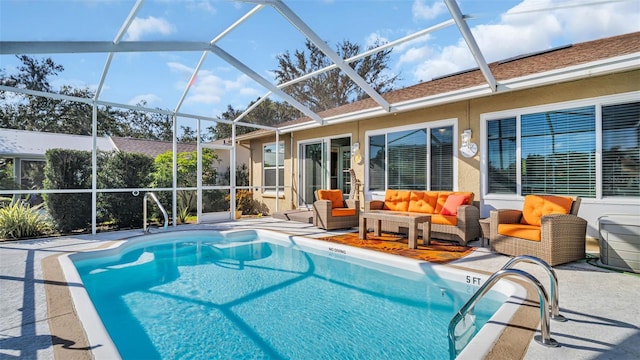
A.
pixel 503 29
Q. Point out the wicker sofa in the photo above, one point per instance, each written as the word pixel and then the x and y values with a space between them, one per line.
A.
pixel 454 219
pixel 547 227
pixel 331 211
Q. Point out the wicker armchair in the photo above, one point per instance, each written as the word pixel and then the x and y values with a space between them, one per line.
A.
pixel 331 211
pixel 561 235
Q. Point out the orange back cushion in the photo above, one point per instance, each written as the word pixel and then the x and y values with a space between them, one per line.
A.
pixel 397 200
pixel 423 201
pixel 335 196
pixel 536 206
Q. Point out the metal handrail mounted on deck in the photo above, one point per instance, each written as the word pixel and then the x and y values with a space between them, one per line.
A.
pixel 544 338
pixel 553 279
pixel 144 211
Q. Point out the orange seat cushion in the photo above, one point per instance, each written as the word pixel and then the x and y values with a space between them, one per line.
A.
pixel 529 232
pixel 444 220
pixel 450 206
pixel 335 196
pixel 397 200
pixel 536 206
pixel 343 212
pixel 423 202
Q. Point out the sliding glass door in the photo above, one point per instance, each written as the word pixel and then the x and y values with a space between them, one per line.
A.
pixel 312 171
pixel 324 164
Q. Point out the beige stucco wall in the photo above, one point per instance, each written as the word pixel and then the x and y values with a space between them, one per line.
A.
pixel 466 112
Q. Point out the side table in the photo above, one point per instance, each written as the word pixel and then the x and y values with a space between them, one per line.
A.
pixel 484 230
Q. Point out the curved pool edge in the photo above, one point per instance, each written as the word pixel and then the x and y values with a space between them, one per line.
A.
pixel 100 343
pixel 102 346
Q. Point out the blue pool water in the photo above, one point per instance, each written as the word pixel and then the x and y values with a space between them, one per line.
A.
pixel 206 295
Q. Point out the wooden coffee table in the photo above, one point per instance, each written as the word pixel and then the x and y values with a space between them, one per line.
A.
pixel 411 219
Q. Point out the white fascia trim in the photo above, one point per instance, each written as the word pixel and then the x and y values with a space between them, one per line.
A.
pixel 596 68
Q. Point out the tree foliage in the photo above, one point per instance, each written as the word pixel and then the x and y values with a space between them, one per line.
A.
pixel 268 112
pixel 333 88
pixel 68 169
pixel 123 170
pixel 37 113
pixel 187 165
pixel 325 91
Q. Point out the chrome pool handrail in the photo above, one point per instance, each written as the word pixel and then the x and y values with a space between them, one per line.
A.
pixel 144 211
pixel 544 338
pixel 553 279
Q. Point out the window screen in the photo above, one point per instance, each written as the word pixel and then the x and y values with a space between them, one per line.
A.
pixel 620 150
pixel 271 157
pixel 501 154
pixel 558 152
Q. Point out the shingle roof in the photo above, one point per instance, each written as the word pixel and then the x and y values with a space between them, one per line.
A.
pixel 553 59
pixel 151 148
pixel 32 143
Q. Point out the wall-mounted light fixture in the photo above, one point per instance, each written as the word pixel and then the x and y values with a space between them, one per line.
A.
pixel 468 149
pixel 355 153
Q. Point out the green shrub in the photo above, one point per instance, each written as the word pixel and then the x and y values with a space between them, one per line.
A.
pixel 20 220
pixel 68 169
pixel 187 176
pixel 123 170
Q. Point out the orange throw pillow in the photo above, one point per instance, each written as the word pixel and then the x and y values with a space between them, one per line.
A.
pixel 335 196
pixel 451 205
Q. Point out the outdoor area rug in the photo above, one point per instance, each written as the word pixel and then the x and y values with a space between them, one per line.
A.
pixel 439 252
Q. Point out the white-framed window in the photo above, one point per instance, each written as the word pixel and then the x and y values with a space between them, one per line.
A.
pixel 419 156
pixel 588 148
pixel 273 162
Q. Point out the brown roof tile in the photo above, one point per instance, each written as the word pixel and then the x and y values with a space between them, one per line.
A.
pixel 502 70
pixel 150 148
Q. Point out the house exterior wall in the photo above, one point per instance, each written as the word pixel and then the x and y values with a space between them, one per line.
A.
pixel 467 114
pixel 286 197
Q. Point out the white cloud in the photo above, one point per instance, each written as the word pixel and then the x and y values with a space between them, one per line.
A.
pixel 422 11
pixel 373 39
pixel 532 25
pixel 151 25
pixel 152 100
pixel 415 54
pixel 197 5
pixel 209 88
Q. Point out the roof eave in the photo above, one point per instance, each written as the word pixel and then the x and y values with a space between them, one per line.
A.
pixel 590 69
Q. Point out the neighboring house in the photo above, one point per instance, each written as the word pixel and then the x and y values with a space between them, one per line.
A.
pixel 25 150
pixel 563 121
pixel 151 148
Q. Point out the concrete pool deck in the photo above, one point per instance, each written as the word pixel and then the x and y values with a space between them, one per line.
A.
pixel 601 305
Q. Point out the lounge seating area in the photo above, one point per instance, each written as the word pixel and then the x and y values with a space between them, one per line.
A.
pixel 453 215
pixel 547 227
pixel 331 211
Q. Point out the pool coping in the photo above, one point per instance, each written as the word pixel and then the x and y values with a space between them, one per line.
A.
pixel 518 325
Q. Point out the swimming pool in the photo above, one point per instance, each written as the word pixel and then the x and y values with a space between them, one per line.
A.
pixel 262 294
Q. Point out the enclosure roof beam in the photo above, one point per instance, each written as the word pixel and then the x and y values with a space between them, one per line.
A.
pixel 125 106
pixel 327 50
pixel 68 47
pixel 205 53
pixel 116 40
pixel 452 5
pixel 264 82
